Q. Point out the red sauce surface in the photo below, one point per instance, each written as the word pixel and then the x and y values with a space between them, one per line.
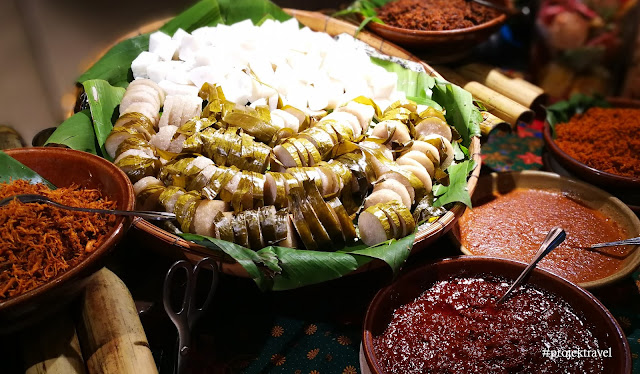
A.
pixel 455 327
pixel 514 224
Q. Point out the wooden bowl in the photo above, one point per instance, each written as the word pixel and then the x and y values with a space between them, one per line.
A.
pixel 440 46
pixel 64 167
pixel 174 246
pixel 625 188
pixel 587 194
pixel 414 283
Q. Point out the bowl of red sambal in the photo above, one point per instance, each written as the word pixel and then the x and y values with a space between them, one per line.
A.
pixel 443 317
pixel 598 141
pixel 47 254
pixel 513 211
pixel 437 30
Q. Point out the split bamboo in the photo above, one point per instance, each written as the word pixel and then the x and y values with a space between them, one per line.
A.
pixel 110 331
pixel 52 347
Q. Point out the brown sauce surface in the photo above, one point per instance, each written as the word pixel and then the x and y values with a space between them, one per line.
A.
pixel 514 224
pixel 455 327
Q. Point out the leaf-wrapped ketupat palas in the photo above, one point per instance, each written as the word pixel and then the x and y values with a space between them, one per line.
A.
pixel 383 167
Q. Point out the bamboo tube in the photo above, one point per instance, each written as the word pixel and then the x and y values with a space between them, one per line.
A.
pixel 491 122
pixel 112 337
pixel 497 104
pixel 517 89
pixel 52 347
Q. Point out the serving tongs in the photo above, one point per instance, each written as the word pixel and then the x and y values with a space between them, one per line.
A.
pixel 32 198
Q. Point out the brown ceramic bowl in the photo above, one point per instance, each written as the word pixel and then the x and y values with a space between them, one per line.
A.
pixel 440 46
pixel 625 188
pixel 64 167
pixel 414 283
pixel 586 194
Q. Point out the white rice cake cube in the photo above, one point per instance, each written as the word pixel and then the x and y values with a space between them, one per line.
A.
pixel 205 74
pixel 172 88
pixel 158 71
pixel 179 74
pixel 141 63
pixel 162 45
pixel 188 48
pixel 178 35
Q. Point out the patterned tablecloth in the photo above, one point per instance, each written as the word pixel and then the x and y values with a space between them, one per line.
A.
pixel 317 329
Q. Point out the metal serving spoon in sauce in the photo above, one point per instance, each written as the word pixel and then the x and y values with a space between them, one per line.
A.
pixel 632 241
pixel 31 198
pixel 554 238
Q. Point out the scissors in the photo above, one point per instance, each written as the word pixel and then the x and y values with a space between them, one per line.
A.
pixel 185 318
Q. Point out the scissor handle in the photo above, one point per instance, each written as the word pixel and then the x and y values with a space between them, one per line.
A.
pixel 166 292
pixel 189 312
pixel 194 311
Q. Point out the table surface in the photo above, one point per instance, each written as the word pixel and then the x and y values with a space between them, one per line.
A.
pixel 317 329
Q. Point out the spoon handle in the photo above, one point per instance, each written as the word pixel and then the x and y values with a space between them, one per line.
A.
pixel 554 238
pixel 158 216
pixel 632 241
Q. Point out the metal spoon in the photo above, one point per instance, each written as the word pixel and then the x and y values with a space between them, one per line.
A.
pixel 632 241
pixel 30 198
pixel 555 236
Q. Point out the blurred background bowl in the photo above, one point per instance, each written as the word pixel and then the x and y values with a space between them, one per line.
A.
pixel 584 193
pixel 63 167
pixel 439 46
pixel 413 284
pixel 625 188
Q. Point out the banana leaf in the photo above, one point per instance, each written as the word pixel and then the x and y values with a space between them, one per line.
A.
pixel 233 11
pixel 12 169
pixel 103 101
pixel 273 267
pixel 76 132
pixel 115 65
pixel 562 111
pixel 279 268
pixel 203 13
pixel 365 8
pixel 457 188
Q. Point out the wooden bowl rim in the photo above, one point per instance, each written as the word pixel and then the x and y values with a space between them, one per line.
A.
pixel 602 196
pixel 494 22
pixel 115 235
pixel 367 335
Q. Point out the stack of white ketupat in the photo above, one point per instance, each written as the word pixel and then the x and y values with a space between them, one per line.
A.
pixel 254 64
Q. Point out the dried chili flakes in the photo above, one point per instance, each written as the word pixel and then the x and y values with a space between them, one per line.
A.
pixel 606 139
pixel 435 15
pixel 39 242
